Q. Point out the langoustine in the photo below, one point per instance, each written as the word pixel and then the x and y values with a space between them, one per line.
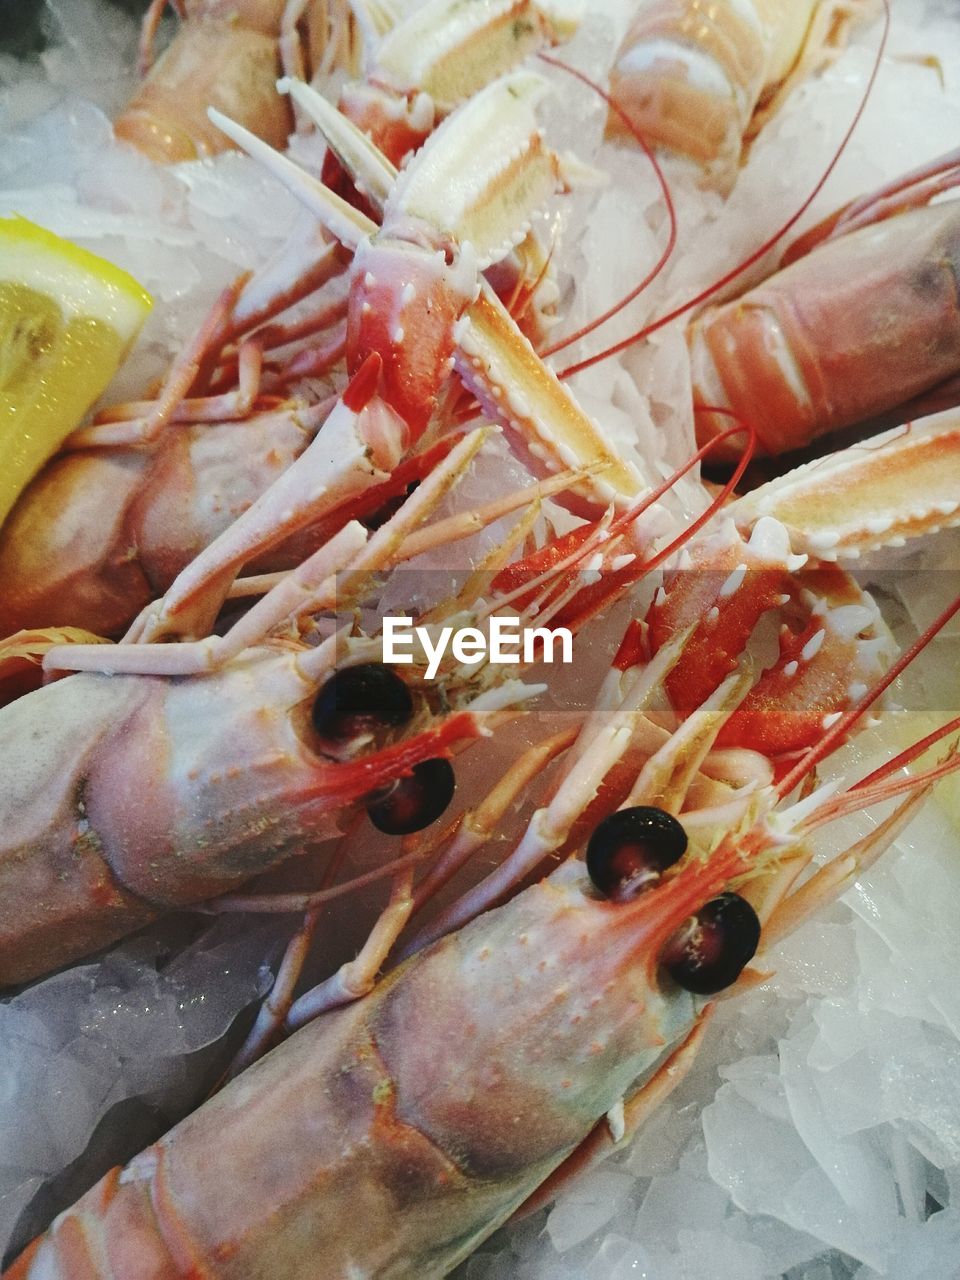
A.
pixel 879 279
pixel 224 805
pixel 701 79
pixel 176 487
pixel 568 1011
pixel 227 53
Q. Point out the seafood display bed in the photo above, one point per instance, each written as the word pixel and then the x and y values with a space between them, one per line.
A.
pixel 817 1134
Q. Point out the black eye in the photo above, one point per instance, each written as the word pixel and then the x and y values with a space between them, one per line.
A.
pixel 360 698
pixel 415 801
pixel 708 952
pixel 629 849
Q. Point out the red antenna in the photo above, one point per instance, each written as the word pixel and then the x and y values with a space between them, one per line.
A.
pixel 667 200
pixel 718 501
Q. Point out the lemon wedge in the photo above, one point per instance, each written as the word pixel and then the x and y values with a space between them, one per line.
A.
pixel 67 319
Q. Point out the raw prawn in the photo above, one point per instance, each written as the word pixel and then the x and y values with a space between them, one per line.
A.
pixel 381 1157
pixel 399 288
pixel 128 795
pixel 702 77
pixel 863 322
pixel 227 53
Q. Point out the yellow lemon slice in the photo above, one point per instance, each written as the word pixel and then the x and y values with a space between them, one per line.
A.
pixel 67 319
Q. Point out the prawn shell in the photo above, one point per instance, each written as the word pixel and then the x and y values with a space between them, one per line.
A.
pixel 404 305
pixel 210 62
pixel 358 1146
pixel 51 857
pixel 76 568
pixel 127 522
pixel 863 324
pixel 128 795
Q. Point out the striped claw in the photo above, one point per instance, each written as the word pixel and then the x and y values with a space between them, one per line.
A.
pixel 451 50
pixel 510 173
pixel 901 485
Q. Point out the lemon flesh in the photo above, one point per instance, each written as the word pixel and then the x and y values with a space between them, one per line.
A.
pixel 67 319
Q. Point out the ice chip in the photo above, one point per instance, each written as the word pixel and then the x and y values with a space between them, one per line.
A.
pixel 589 1203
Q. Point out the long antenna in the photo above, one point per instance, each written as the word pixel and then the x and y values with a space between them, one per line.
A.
pixel 667 200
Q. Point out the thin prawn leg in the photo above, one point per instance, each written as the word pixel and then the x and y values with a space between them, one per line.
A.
pixel 321 320
pixel 668 775
pixel 144 420
pixel 247 303
pixel 134 422
pixel 336 18
pixel 272 1013
pixel 312 361
pixel 479 825
pixel 149 27
pixel 305 264
pixel 291 46
pixel 310 588
pixel 357 977
pixel 178 382
pixel 440 534
pixel 839 874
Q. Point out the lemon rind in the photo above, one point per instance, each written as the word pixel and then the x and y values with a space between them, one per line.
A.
pixel 85 286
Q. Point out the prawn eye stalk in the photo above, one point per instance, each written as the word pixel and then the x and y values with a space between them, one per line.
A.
pixel 357 699
pixel 710 950
pixel 416 801
pixel 630 849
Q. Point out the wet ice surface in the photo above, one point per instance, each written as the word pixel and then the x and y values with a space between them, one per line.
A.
pixel 818 1132
pixel 131 1042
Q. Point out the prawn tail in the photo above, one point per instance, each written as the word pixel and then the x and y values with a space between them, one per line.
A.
pixel 119 1228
